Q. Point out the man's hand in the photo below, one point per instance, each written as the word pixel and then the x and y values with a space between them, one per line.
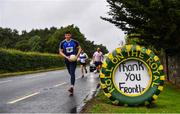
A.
pixel 77 58
pixel 68 58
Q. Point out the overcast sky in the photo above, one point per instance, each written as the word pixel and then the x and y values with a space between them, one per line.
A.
pixel 29 14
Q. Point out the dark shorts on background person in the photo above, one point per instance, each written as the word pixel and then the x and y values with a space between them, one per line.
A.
pixel 97 63
pixel 84 64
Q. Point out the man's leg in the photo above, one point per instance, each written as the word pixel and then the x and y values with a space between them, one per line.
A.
pixel 67 65
pixel 72 73
pixel 85 67
pixel 96 64
pixel 82 70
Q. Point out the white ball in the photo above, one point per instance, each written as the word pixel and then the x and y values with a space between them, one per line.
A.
pixel 73 58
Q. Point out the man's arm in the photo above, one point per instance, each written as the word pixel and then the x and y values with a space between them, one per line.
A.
pixel 86 56
pixel 102 57
pixel 79 51
pixel 93 57
pixel 78 47
pixel 62 53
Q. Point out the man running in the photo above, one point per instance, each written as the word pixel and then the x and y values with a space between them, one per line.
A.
pixel 83 59
pixel 67 48
pixel 97 59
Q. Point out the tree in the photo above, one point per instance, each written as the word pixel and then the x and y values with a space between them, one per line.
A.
pixel 23 45
pixel 158 21
pixel 8 37
pixel 44 40
pixel 35 43
pixel 88 46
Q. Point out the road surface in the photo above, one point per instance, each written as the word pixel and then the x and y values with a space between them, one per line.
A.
pixel 45 92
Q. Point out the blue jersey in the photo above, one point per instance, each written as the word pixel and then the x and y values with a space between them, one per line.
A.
pixel 69 47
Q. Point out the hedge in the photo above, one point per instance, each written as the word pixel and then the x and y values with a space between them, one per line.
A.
pixel 13 60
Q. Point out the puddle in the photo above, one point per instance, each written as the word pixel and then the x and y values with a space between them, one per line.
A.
pixel 91 95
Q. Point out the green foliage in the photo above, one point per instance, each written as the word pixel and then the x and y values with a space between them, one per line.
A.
pixel 8 37
pixel 23 45
pixel 45 40
pixel 14 60
pixel 35 43
pixel 32 44
pixel 38 40
pixel 88 46
pixel 158 21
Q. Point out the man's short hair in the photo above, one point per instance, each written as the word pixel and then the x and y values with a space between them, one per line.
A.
pixel 67 32
pixel 99 49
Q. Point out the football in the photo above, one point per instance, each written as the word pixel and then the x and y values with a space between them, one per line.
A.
pixel 73 58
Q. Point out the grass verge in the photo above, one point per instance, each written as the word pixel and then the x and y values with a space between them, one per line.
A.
pixel 29 72
pixel 168 102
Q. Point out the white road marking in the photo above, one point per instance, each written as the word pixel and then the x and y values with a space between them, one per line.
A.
pixel 23 98
pixel 2 82
pixel 64 83
pixel 35 76
pixel 60 84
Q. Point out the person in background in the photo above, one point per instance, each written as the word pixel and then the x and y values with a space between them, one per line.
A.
pixel 97 59
pixel 83 60
pixel 67 48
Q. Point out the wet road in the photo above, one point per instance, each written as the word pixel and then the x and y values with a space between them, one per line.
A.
pixel 45 92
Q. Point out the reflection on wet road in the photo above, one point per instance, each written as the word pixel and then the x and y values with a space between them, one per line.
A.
pixel 46 92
